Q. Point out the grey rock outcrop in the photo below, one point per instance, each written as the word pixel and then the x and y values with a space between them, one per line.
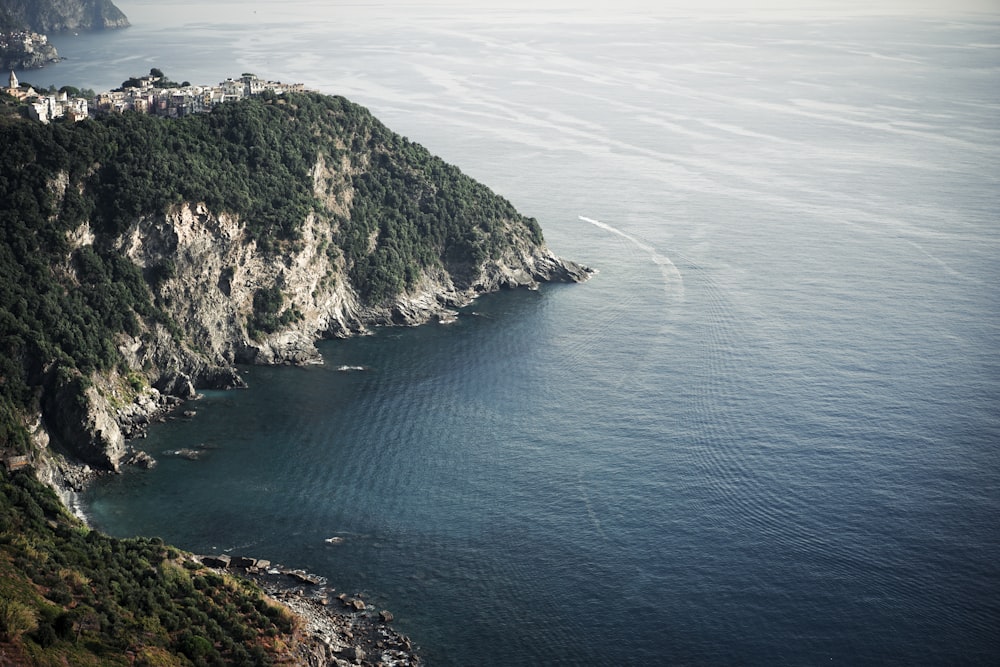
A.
pixel 205 271
pixel 86 425
pixel 60 15
pixel 30 56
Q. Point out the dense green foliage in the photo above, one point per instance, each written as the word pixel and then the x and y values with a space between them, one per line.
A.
pixel 400 211
pixel 161 81
pixel 268 315
pixel 422 211
pixel 69 193
pixel 72 594
pixel 46 318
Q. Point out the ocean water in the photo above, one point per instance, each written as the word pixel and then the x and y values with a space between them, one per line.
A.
pixel 765 432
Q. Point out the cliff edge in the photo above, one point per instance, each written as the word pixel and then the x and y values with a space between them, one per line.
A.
pixel 46 16
pixel 145 257
pixel 24 25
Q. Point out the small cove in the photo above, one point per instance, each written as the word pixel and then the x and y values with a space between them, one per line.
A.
pixel 781 454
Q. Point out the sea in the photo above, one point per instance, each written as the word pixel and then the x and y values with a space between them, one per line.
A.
pixel 765 432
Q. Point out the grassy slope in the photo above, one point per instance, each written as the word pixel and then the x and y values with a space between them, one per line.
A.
pixel 72 595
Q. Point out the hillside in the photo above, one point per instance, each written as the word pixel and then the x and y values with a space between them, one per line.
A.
pixel 142 258
pixel 69 595
pixel 46 16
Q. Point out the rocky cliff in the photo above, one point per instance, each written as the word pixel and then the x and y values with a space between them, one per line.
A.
pixel 19 54
pixel 21 18
pixel 243 236
pixel 58 15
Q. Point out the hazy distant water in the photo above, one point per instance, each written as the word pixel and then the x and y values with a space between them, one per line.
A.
pixel 765 433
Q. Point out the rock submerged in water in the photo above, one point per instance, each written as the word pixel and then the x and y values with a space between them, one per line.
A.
pixel 186 453
pixel 222 560
pixel 140 460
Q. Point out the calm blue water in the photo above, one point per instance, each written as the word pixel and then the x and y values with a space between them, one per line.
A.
pixel 765 433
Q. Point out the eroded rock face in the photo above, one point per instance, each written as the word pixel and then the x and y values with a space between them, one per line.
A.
pixel 60 15
pixel 204 271
pixel 86 426
pixel 31 56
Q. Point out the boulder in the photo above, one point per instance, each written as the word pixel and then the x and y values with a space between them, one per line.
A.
pixel 354 653
pixel 222 560
pixel 176 384
pixel 140 460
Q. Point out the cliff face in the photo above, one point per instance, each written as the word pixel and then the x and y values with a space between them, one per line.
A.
pixel 217 274
pixel 59 15
pixel 210 296
pixel 139 282
pixel 27 56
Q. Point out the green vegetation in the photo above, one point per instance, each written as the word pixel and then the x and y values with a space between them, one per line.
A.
pixel 69 193
pixel 62 306
pixel 161 81
pixel 268 315
pixel 69 595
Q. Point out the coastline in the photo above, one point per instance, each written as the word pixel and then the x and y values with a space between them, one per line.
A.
pixel 333 628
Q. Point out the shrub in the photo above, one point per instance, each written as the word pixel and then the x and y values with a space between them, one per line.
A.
pixel 16 618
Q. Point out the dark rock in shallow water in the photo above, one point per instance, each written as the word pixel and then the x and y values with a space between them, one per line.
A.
pixel 243 562
pixel 385 616
pixel 222 560
pixel 176 384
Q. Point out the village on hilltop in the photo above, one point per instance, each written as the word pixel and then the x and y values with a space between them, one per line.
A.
pixel 26 49
pixel 145 94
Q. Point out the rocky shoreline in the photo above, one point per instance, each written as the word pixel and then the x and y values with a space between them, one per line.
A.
pixel 334 628
pixel 21 59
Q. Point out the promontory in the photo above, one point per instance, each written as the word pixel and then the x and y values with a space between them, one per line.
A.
pixel 25 26
pixel 143 258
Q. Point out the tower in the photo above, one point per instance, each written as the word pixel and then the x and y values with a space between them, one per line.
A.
pixel 14 85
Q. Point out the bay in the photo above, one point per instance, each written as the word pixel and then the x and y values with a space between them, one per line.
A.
pixel 765 432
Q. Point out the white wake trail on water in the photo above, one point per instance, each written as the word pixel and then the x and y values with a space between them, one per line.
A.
pixel 673 281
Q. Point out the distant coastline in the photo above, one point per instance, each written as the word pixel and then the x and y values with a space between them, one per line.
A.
pixel 25 26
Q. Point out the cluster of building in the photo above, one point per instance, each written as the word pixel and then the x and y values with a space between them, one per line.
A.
pixel 23 49
pixel 22 40
pixel 146 96
pixel 149 97
pixel 45 107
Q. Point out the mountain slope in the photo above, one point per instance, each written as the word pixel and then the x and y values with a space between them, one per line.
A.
pixel 57 15
pixel 142 257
